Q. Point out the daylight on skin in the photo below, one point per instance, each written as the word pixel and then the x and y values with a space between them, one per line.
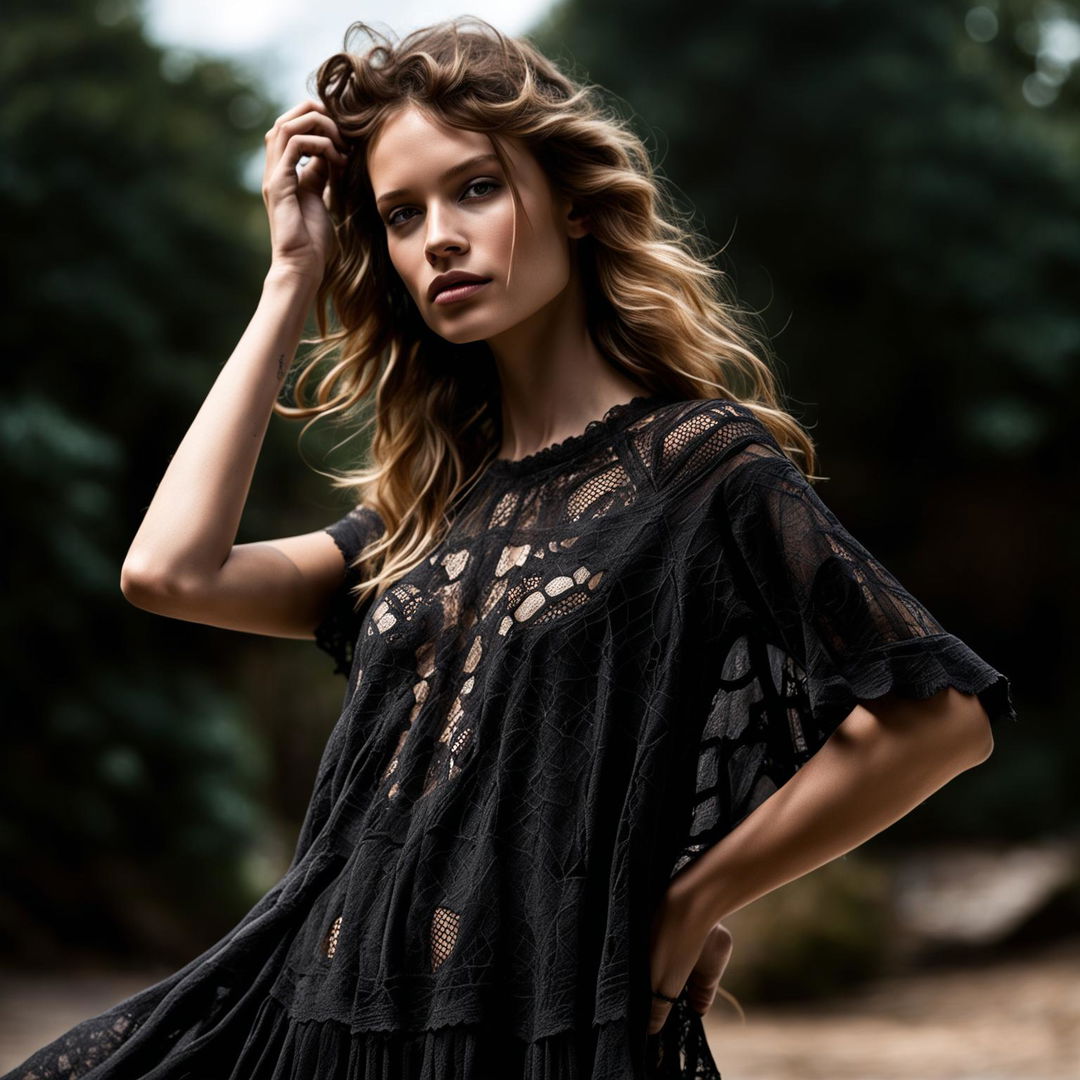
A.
pixel 466 222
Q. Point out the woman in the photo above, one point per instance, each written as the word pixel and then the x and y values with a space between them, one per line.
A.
pixel 614 669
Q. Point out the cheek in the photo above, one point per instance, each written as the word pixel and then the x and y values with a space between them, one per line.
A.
pixel 540 256
pixel 492 237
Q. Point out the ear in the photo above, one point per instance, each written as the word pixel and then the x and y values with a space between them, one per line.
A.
pixel 576 221
pixel 577 224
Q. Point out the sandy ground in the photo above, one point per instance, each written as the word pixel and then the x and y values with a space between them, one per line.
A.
pixel 1015 1020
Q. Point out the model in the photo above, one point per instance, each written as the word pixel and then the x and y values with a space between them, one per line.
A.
pixel 614 670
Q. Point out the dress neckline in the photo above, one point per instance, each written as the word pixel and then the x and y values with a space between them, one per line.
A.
pixel 619 415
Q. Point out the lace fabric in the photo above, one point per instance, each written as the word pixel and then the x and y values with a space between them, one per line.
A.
pixel 624 644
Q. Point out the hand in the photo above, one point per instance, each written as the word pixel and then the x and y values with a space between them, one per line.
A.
pixel 301 230
pixel 683 954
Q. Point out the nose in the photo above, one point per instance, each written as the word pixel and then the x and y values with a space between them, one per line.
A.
pixel 443 236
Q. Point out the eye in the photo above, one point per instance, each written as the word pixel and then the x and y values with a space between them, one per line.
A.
pixel 390 220
pixel 481 183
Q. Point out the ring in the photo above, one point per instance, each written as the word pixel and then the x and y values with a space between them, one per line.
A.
pixel 672 1000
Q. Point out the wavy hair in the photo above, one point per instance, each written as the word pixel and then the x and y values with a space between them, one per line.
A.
pixel 432 430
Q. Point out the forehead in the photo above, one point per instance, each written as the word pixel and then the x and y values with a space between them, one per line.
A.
pixel 413 148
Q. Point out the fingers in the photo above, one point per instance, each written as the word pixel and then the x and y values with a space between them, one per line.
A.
pixel 307 116
pixel 658 1013
pixel 300 146
pixel 305 129
pixel 717 950
pixel 300 109
pixel 305 108
pixel 704 980
pixel 674 939
pixel 701 994
pixel 308 122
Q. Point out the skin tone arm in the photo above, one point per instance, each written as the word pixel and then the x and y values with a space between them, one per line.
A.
pixel 183 561
pixel 887 756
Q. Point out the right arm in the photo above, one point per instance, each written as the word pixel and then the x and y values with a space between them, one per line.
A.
pixel 183 561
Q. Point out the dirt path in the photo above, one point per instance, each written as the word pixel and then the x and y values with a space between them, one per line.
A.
pixel 1015 1020
pixel 1018 1020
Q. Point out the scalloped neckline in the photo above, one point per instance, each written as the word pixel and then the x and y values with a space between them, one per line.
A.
pixel 558 452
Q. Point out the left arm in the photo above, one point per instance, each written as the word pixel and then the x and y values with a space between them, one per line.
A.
pixel 887 756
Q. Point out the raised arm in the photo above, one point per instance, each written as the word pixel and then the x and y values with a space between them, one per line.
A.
pixel 184 561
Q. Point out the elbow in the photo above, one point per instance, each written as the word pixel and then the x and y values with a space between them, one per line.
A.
pixel 149 589
pixel 953 725
pixel 964 725
pixel 986 746
pixel 980 736
pixel 137 587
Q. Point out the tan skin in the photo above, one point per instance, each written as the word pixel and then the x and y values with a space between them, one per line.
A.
pixel 184 561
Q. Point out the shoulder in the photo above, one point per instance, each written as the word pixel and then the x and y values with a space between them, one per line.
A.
pixel 356 529
pixel 366 517
pixel 703 439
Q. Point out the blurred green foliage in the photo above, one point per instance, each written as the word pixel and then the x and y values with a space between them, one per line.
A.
pixel 136 784
pixel 819 936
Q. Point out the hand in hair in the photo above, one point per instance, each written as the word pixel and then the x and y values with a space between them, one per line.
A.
pixel 301 230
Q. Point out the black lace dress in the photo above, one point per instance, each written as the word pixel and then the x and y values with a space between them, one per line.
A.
pixel 626 642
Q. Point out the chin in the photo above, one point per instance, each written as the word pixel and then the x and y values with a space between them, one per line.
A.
pixel 463 329
pixel 464 335
pixel 462 338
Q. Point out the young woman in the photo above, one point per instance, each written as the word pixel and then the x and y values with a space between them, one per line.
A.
pixel 614 669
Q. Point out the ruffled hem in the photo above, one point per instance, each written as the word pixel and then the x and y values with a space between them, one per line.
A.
pixel 280 1047
pixel 915 668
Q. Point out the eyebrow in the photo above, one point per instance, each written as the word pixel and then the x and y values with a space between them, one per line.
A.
pixel 460 167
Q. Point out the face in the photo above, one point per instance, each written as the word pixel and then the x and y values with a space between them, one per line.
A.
pixel 438 218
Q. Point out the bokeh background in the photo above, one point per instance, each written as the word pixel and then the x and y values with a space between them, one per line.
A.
pixel 896 187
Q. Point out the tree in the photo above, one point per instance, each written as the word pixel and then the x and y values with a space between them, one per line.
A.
pixel 132 253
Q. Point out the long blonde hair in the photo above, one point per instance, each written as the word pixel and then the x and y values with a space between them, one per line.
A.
pixel 433 429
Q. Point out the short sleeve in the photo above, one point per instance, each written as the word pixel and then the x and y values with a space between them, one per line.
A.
pixel 808 624
pixel 339 627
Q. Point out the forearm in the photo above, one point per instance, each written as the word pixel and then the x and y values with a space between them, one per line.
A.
pixel 190 526
pixel 874 769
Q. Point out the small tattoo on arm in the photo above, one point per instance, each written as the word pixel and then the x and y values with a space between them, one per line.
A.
pixel 282 366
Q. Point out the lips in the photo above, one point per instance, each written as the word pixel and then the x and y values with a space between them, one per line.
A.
pixel 459 291
pixel 455 277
